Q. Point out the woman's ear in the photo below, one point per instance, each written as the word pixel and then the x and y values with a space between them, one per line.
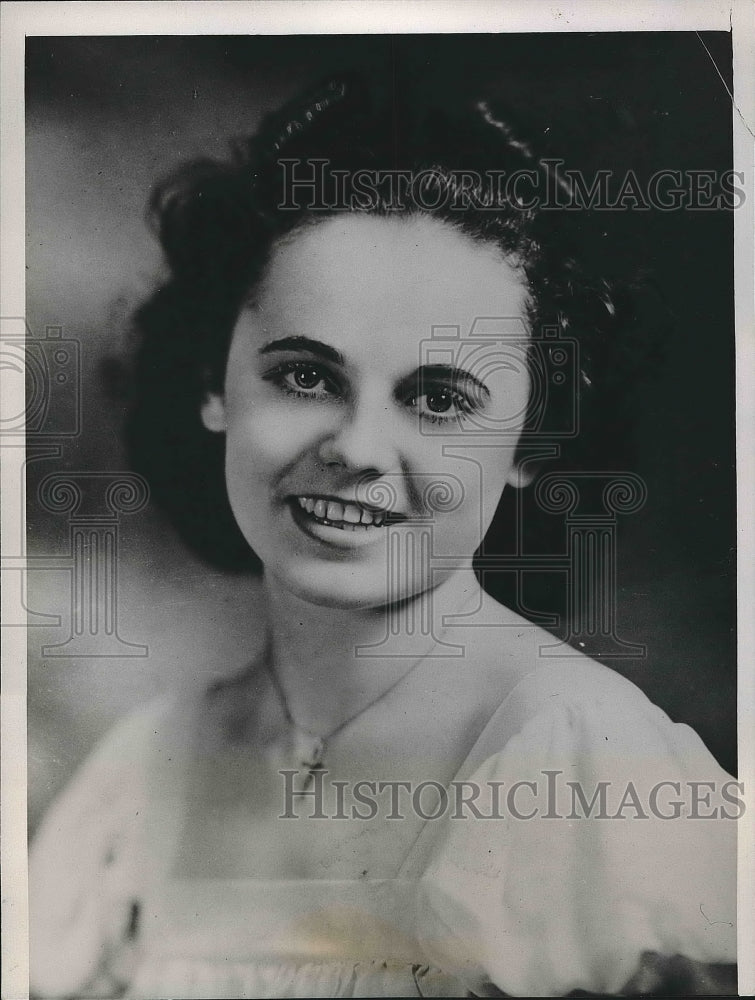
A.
pixel 213 412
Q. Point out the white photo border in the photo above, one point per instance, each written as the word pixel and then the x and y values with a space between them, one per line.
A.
pixel 21 19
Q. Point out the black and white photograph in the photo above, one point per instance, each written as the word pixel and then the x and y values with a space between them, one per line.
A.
pixel 373 433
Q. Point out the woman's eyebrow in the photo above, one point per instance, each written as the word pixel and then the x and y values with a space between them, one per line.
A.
pixel 448 373
pixel 305 345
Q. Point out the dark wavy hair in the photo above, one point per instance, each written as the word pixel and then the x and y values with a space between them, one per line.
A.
pixel 218 221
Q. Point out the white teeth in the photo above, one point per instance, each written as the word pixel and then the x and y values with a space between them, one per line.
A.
pixel 345 515
pixel 351 513
pixel 335 511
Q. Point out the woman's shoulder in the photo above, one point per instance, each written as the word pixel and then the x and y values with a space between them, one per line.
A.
pixel 594 721
pixel 587 831
pixel 525 674
pixel 94 851
pixel 115 763
pixel 107 840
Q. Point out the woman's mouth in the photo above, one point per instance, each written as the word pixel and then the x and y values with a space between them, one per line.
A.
pixel 343 514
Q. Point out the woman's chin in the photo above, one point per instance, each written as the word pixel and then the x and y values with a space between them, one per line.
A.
pixel 345 589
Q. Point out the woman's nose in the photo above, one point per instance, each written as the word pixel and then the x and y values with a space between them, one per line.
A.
pixel 363 440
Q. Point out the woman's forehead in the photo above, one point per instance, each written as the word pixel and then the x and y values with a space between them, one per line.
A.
pixel 391 281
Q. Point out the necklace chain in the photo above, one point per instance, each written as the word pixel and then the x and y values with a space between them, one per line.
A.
pixel 310 748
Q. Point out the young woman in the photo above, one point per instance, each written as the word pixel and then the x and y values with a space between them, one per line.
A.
pixel 403 795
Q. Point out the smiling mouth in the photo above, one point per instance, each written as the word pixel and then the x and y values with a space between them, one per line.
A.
pixel 344 514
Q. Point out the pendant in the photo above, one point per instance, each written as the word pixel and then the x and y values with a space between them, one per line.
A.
pixel 309 752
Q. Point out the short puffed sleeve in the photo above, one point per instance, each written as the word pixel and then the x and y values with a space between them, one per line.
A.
pixel 89 863
pixel 598 835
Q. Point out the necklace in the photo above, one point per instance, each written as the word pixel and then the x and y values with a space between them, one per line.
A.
pixel 309 748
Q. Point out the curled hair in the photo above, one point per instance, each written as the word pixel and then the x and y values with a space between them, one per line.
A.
pixel 218 222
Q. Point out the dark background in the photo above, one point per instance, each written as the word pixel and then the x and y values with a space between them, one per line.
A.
pixel 106 117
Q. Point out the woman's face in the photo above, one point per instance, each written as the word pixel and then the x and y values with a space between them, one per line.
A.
pixel 374 396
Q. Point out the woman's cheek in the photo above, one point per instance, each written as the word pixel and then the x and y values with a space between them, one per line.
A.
pixel 483 476
pixel 276 433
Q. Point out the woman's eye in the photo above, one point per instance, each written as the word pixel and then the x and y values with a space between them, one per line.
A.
pixel 303 379
pixel 439 402
pixel 441 405
pixel 306 377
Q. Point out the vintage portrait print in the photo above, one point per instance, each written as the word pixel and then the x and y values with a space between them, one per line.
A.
pixel 378 464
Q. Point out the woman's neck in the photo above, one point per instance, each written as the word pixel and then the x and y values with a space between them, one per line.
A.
pixel 332 663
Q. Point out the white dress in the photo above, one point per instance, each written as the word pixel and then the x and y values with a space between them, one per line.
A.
pixel 562 884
